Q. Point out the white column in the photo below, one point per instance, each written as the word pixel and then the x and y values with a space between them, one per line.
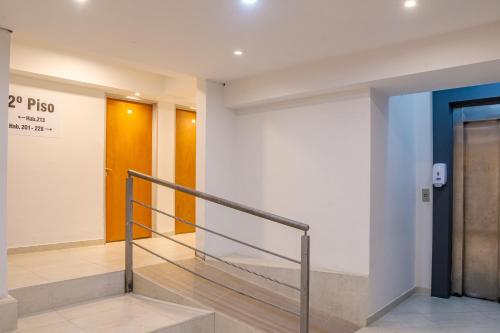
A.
pixel 4 92
pixel 201 124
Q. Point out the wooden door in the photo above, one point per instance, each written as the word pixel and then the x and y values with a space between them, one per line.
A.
pixel 185 168
pixel 128 146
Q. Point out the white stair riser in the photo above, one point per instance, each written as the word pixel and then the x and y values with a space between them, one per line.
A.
pixel 48 296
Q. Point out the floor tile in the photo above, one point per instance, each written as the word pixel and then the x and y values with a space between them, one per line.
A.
pixel 127 313
pixel 425 314
pixel 29 269
pixel 61 327
pixel 39 320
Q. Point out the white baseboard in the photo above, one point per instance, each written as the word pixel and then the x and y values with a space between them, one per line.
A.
pixel 55 246
pixel 8 311
pixel 394 303
pixel 422 291
pixel 166 233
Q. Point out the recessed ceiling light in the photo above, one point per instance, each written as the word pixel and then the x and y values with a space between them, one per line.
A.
pixel 410 3
pixel 134 98
pixel 137 94
pixel 238 52
pixel 81 1
pixel 249 2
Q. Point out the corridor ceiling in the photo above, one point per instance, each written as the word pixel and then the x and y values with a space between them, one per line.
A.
pixel 198 37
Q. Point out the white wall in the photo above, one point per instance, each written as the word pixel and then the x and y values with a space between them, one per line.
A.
pixel 308 161
pixel 216 135
pixel 401 226
pixel 81 80
pixel 422 104
pixel 392 232
pixel 201 115
pixel 56 185
pixel 351 165
pixel 4 91
pixel 164 167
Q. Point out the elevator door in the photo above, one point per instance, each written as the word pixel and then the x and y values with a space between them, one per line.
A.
pixel 481 169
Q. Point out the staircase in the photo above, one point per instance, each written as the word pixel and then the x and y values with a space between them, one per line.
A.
pixel 239 305
pixel 180 296
pixel 234 312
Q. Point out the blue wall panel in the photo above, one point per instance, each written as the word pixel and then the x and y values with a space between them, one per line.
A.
pixel 443 103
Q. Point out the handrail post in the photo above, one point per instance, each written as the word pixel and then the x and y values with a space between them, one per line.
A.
pixel 129 283
pixel 304 283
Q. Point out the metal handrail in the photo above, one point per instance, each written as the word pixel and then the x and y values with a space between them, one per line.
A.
pixel 215 232
pixel 214 257
pixel 305 242
pixel 213 281
pixel 223 202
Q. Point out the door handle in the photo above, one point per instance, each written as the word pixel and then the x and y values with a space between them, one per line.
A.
pixel 108 170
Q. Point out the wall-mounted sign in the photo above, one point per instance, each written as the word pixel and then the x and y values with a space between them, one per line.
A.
pixel 33 116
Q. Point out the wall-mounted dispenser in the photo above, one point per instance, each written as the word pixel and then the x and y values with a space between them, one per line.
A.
pixel 439 175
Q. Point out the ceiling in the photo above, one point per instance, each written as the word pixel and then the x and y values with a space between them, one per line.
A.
pixel 197 37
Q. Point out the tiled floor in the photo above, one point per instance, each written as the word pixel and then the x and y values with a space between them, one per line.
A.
pixel 419 314
pixel 425 314
pixel 117 314
pixel 56 265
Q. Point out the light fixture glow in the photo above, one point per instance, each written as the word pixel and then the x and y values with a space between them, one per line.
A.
pixel 81 1
pixel 238 52
pixel 193 121
pixel 134 98
pixel 410 3
pixel 249 2
pixel 137 94
pixel 129 111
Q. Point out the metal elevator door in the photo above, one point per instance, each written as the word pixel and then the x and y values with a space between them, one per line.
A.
pixel 481 196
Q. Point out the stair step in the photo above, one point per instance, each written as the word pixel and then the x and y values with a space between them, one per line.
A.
pixel 125 313
pixel 168 282
pixel 47 296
